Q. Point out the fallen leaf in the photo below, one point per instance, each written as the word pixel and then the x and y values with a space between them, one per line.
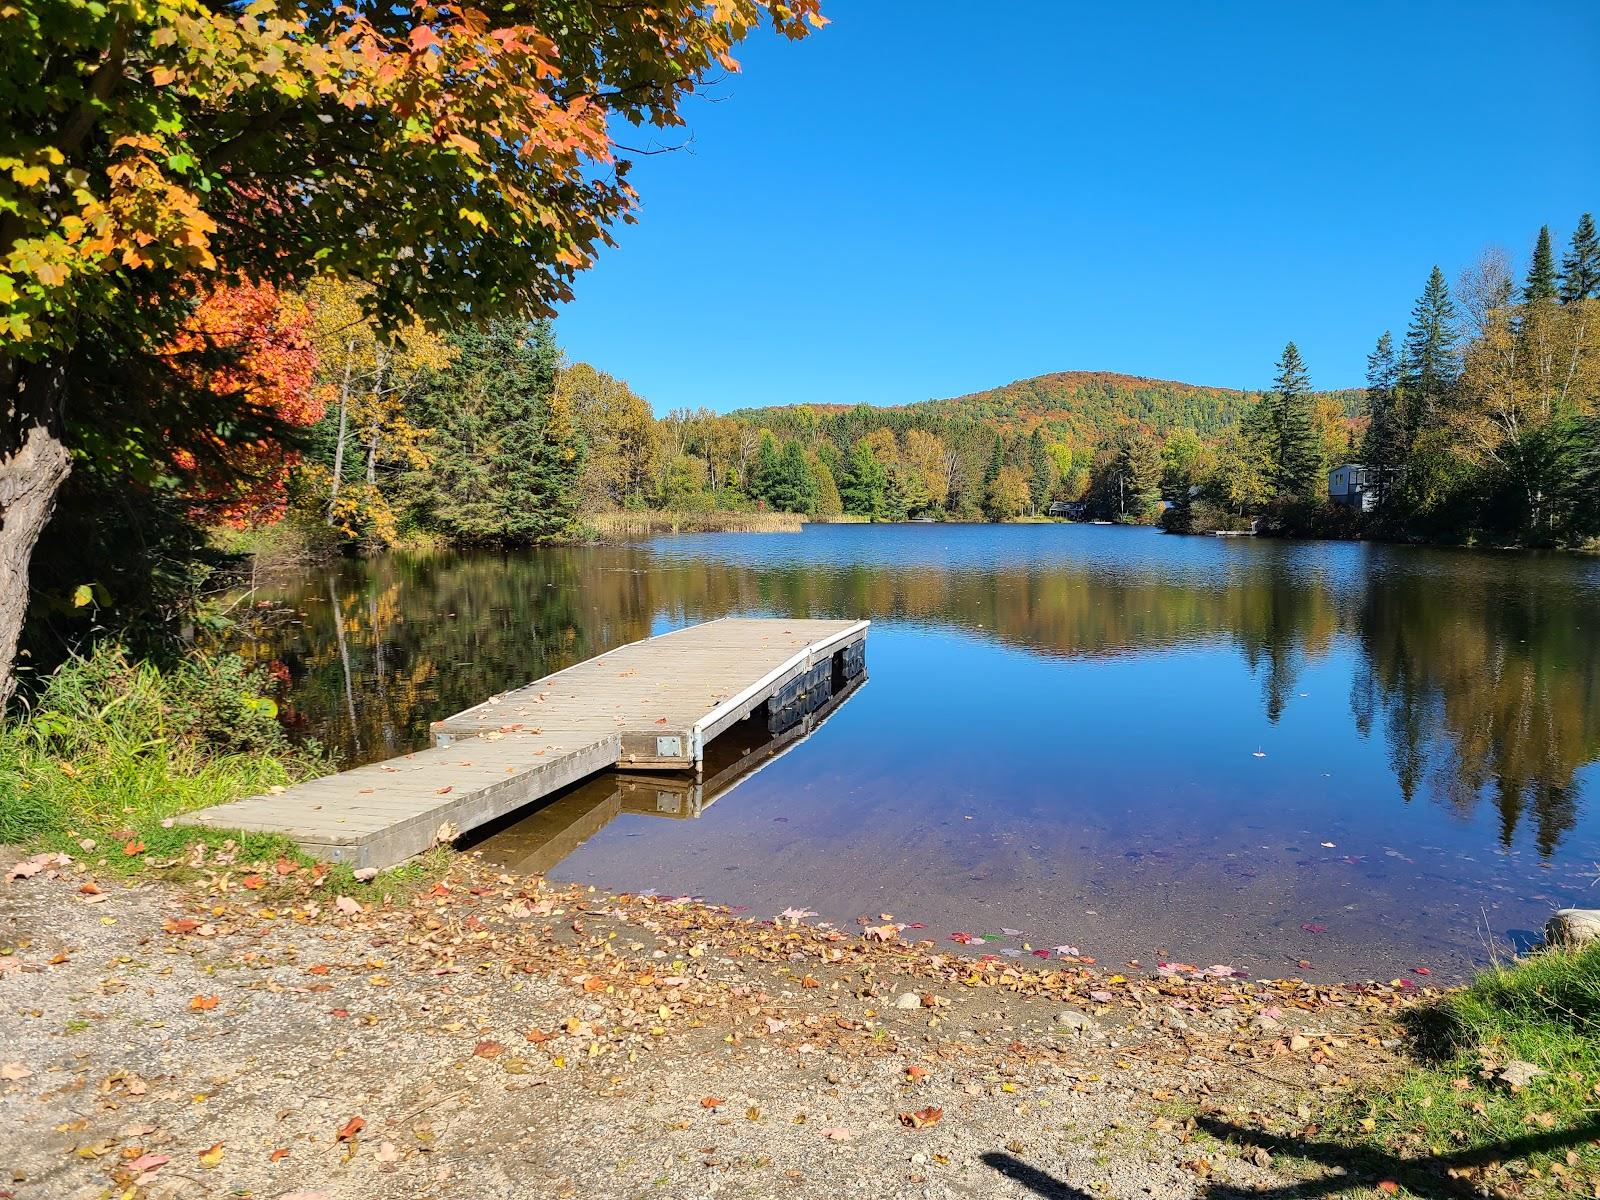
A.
pixel 711 1102
pixel 838 1135
pixel 488 1049
pixel 923 1118
pixel 149 1162
pixel 348 906
pixel 133 847
pixel 350 1128
pixel 210 1158
pixel 14 1071
pixel 253 882
pixel 202 1003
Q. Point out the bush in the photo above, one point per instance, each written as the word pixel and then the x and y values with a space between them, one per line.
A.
pixel 112 745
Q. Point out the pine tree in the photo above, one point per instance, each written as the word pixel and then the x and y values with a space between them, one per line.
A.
pixel 1384 450
pixel 1429 367
pixel 1041 471
pixel 1297 451
pixel 1541 283
pixel 864 483
pixel 792 487
pixel 505 455
pixel 1580 269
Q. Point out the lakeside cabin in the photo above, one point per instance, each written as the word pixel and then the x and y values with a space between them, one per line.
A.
pixel 1349 485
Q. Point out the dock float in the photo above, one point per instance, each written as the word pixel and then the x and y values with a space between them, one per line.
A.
pixel 651 705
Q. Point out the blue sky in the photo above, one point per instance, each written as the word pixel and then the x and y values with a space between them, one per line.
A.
pixel 927 199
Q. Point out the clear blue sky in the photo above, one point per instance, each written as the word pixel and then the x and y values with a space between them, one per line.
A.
pixel 926 199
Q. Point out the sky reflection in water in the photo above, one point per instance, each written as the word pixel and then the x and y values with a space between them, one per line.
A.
pixel 1131 743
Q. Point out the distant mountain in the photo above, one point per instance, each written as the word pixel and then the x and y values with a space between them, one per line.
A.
pixel 1083 407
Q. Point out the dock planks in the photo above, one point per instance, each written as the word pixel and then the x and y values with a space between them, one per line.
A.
pixel 648 706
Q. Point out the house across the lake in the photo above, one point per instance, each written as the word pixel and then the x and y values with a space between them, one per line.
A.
pixel 1353 486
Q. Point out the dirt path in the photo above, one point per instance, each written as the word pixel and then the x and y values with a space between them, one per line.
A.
pixel 250 1034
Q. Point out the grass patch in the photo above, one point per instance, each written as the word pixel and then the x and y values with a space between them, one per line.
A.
pixel 1453 1111
pixel 113 751
pixel 627 525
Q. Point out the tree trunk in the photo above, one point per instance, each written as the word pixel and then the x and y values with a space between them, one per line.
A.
pixel 34 463
pixel 344 425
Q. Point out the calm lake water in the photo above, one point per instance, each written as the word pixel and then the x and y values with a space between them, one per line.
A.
pixel 1253 753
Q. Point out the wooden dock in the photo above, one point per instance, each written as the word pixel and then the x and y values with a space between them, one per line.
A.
pixel 651 705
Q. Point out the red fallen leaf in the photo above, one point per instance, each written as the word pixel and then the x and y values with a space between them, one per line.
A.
pixel 439 889
pixel 1304 964
pixel 966 939
pixel 923 1118
pixel 661 720
pixel 711 1102
pixel 1422 970
pixel 594 984
pixel 809 981
pixel 350 1128
pixel 1041 954
pixel 538 1035
pixel 339 1012
pixel 90 889
pixel 915 1073
pixel 149 1162
pixel 487 1049
pixel 278 1155
pixel 319 969
pixel 202 1003
pixel 1086 959
pixel 133 847
pixel 1390 1186
pixel 916 925
pixel 318 870
pixel 285 867
pixel 180 925
pixel 252 882
pixel 1309 927
pixel 446 789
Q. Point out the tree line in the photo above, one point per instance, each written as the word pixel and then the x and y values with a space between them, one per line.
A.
pixel 1483 422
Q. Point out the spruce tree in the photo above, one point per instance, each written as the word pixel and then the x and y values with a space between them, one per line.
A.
pixel 1384 449
pixel 1297 452
pixel 1041 472
pixel 1429 367
pixel 505 455
pixel 1541 283
pixel 1580 269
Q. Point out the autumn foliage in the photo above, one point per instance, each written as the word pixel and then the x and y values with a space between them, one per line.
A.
pixel 253 343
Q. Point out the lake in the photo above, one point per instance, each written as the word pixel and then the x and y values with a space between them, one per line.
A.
pixel 1361 758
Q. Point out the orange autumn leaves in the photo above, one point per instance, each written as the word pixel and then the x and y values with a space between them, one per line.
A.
pixel 253 342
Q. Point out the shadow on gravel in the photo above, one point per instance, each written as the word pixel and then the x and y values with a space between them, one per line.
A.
pixel 1039 1182
pixel 1425 1176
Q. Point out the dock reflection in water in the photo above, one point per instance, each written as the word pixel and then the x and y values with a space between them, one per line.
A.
pixel 535 842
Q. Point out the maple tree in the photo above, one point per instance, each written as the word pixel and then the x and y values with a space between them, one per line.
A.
pixel 258 341
pixel 450 159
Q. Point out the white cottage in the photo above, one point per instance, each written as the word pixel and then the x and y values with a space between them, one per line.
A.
pixel 1349 485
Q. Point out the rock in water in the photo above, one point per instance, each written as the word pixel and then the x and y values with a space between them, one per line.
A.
pixel 1573 927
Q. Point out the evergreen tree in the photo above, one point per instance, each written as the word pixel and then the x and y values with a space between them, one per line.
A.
pixel 1541 283
pixel 505 455
pixel 1138 479
pixel 864 483
pixel 1296 450
pixel 1429 367
pixel 791 486
pixel 1041 471
pixel 1580 269
pixel 764 482
pixel 1384 450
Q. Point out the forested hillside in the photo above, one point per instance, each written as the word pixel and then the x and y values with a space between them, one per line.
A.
pixel 1088 407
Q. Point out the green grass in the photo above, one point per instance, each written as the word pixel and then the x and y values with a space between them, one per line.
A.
pixel 113 750
pixel 1452 1111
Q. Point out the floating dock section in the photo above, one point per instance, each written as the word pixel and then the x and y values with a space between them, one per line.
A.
pixel 647 706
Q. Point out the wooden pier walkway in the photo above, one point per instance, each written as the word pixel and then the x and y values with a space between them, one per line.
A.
pixel 647 706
